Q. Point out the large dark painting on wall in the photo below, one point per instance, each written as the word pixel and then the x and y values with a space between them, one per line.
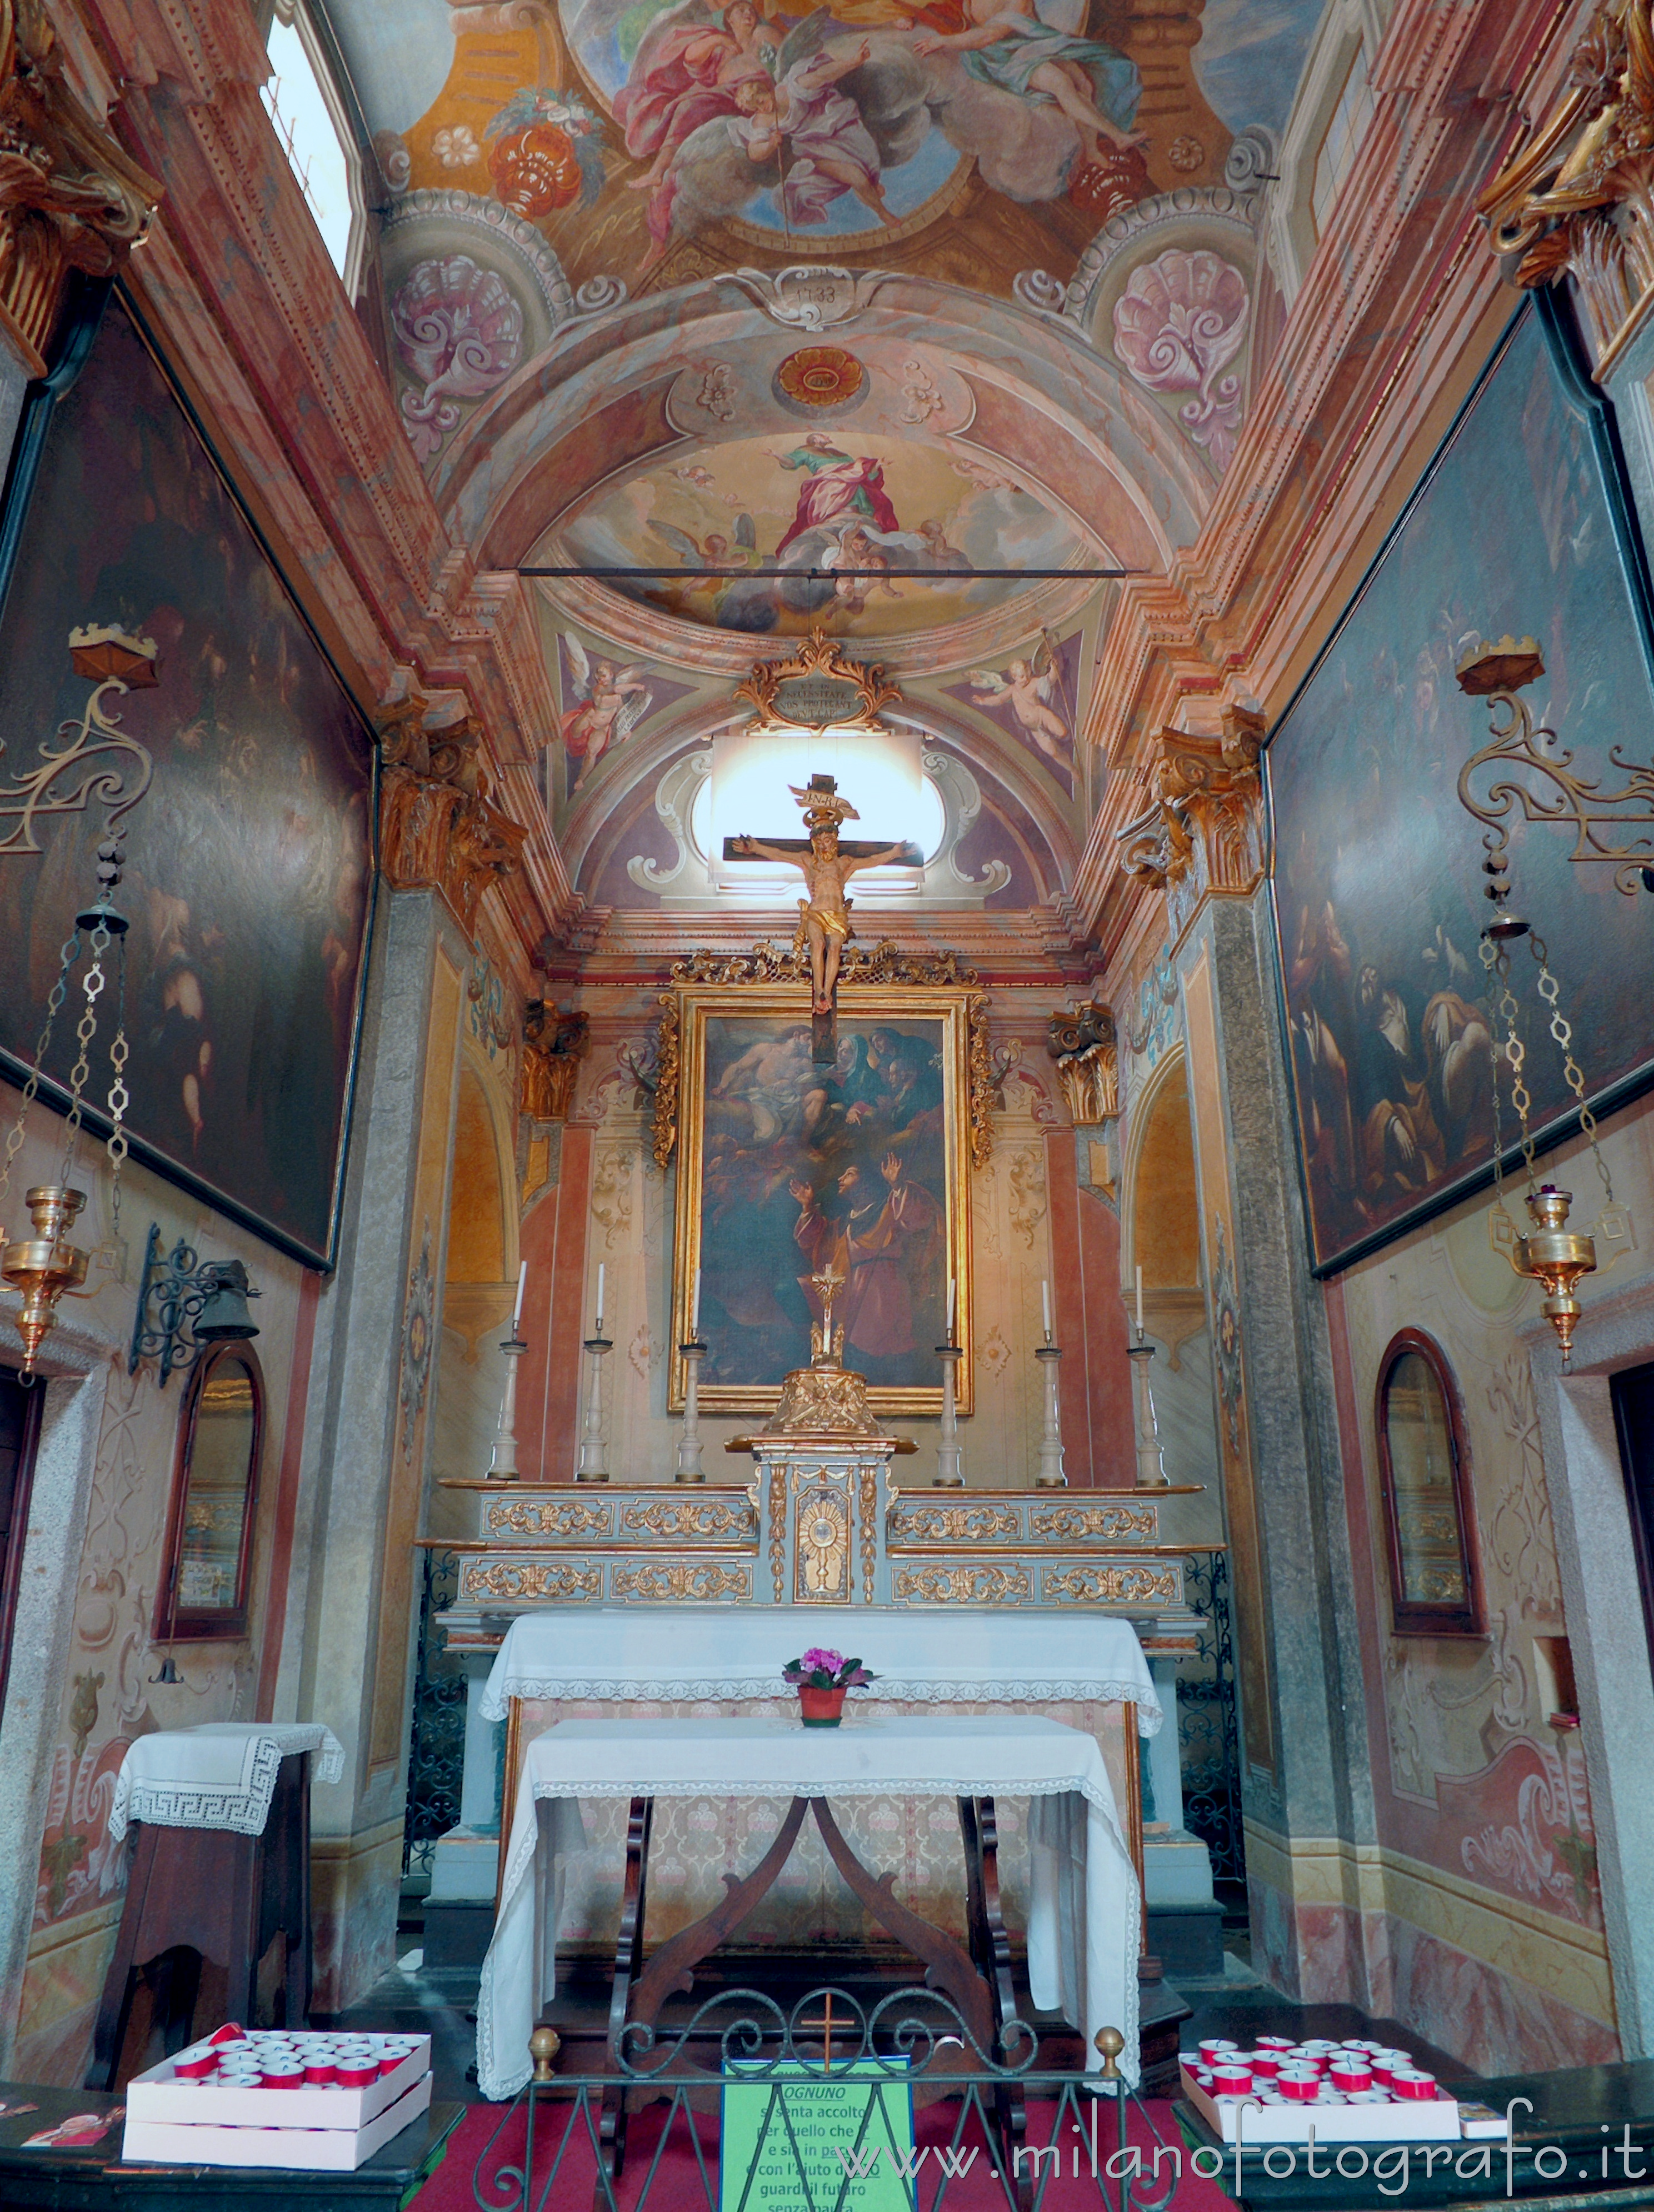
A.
pixel 249 860
pixel 1517 528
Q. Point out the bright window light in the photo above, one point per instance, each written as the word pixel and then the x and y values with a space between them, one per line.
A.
pixel 1352 113
pixel 297 103
pixel 748 794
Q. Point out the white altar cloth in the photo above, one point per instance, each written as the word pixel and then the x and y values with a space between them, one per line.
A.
pixel 221 1775
pixel 1084 1905
pixel 951 1656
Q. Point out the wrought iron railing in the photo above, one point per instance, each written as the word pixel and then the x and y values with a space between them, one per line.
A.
pixel 1208 1728
pixel 436 1749
pixel 564 2138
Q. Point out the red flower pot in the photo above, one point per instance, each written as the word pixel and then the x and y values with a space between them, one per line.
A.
pixel 820 1708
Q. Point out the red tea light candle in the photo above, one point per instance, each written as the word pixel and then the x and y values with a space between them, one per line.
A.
pixel 1229 2079
pixel 281 2074
pixel 1299 2085
pixel 1348 2073
pixel 319 2072
pixel 1214 2047
pixel 1265 2065
pixel 355 2072
pixel 1411 2083
pixel 1276 2043
pixel 195 2065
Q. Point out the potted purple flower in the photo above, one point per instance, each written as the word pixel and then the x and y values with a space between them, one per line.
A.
pixel 821 1678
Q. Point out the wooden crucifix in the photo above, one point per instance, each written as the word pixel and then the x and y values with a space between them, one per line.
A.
pixel 826 863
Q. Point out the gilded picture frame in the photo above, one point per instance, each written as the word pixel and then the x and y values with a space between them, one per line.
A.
pixel 882 1141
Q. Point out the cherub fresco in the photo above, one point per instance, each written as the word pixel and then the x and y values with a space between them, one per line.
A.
pixel 610 702
pixel 1031 690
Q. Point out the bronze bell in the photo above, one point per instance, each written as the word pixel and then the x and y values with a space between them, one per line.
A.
pixel 223 1316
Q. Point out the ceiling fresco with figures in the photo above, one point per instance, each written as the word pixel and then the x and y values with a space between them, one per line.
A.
pixel 658 140
pixel 918 323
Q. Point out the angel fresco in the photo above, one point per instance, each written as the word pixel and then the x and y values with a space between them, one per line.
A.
pixel 612 701
pixel 1027 690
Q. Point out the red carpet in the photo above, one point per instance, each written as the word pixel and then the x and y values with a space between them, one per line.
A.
pixel 678 2185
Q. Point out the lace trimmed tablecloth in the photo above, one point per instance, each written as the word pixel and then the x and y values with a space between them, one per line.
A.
pixel 1015 1656
pixel 221 1775
pixel 1084 1904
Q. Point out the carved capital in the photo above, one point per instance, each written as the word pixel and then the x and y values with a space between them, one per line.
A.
pixel 438 826
pixel 1081 1040
pixel 1579 200
pixel 69 198
pixel 1205 830
pixel 554 1045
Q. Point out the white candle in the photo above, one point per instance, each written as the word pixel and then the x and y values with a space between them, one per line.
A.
pixel 1139 1301
pixel 1045 1299
pixel 695 1310
pixel 517 1311
pixel 598 1331
pixel 952 1293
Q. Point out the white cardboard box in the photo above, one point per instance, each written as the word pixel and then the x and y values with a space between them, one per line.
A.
pixel 1433 2119
pixel 332 2150
pixel 160 2095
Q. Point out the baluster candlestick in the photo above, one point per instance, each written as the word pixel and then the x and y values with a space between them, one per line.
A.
pixel 950 1471
pixel 1048 1475
pixel 594 1464
pixel 689 1469
pixel 502 1466
pixel 1151 1467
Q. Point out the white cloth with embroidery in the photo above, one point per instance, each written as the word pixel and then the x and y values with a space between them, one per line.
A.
pixel 221 1775
pixel 1022 1655
pixel 1084 1904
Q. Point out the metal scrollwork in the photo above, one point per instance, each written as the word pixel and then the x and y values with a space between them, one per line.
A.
pixel 102 761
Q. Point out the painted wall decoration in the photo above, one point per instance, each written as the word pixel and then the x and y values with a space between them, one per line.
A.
pixel 248 877
pixel 1035 695
pixel 661 138
pixel 1378 900
pixel 786 1167
pixel 820 500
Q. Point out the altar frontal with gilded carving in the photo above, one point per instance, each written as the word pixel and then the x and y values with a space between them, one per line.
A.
pixel 788 1166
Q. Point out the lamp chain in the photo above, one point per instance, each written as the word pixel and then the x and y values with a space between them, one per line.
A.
pixel 1562 1031
pixel 1495 956
pixel 120 1097
pixel 69 954
pixel 85 1029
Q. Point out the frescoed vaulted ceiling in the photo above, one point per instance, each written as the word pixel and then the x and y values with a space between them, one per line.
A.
pixel 921 323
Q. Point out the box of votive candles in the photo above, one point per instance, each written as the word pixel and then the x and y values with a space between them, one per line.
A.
pixel 1352 2092
pixel 278 2098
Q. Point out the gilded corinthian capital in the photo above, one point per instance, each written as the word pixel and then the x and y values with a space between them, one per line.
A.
pixel 69 198
pixel 1578 199
pixel 1204 833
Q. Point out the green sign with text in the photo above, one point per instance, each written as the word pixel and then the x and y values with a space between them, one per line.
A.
pixel 801 2138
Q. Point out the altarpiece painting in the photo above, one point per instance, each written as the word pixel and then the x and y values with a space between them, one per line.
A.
pixel 786 1166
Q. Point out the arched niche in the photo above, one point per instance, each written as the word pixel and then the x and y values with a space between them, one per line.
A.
pixel 480 1280
pixel 1160 1232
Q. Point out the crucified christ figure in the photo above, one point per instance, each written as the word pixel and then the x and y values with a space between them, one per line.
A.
pixel 826 867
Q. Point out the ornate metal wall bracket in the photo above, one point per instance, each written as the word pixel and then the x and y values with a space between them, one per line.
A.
pixel 185 1304
pixel 1533 777
pixel 91 759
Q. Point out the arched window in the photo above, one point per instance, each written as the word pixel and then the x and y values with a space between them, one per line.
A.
pixel 205 1592
pixel 1425 1470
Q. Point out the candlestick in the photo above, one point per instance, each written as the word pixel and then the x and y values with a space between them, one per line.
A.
pixel 594 1464
pixel 517 1311
pixel 1140 1301
pixel 502 1464
pixel 1045 1301
pixel 1049 1474
pixel 1151 1467
pixel 949 1467
pixel 689 1469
